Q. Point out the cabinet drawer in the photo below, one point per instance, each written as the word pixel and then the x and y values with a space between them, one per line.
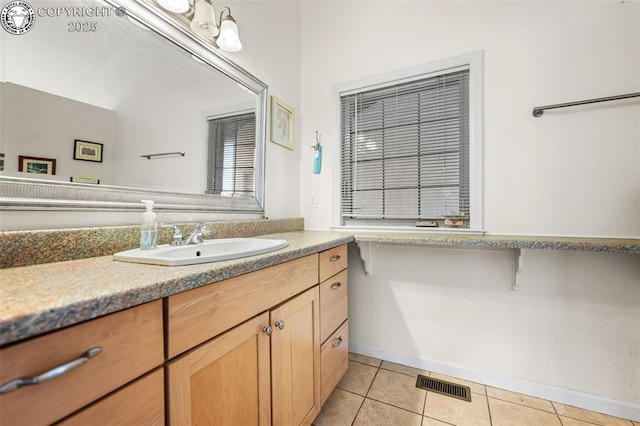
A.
pixel 131 342
pixel 333 304
pixel 139 403
pixel 334 360
pixel 200 314
pixel 332 261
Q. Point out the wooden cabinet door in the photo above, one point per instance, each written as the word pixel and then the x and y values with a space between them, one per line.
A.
pixel 225 381
pixel 295 360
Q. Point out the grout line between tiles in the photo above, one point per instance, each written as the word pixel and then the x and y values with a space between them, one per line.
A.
pixel 489 407
pixel 367 392
pixel 525 405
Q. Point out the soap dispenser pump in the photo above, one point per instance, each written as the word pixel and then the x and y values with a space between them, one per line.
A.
pixel 149 228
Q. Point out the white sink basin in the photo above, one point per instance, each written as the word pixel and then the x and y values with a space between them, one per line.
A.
pixel 208 251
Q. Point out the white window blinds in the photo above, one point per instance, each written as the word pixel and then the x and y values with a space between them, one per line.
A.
pixel 405 149
pixel 230 155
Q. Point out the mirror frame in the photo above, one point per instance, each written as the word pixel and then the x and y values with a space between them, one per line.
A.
pixel 26 194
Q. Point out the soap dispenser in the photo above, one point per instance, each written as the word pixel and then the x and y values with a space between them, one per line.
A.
pixel 149 228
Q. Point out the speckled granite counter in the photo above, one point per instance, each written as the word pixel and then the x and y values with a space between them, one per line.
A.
pixel 503 241
pixel 23 248
pixel 40 298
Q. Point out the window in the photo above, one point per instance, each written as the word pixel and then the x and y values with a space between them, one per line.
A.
pixel 408 148
pixel 231 146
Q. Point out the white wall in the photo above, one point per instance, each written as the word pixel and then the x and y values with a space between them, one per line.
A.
pixel 39 124
pixel 570 172
pixel 573 331
pixel 271 35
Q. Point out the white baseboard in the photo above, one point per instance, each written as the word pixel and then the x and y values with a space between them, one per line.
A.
pixel 624 409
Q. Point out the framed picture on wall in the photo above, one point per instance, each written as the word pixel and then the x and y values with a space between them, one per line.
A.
pixel 38 165
pixel 87 151
pixel 282 116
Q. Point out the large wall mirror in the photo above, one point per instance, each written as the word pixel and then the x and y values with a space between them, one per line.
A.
pixel 129 108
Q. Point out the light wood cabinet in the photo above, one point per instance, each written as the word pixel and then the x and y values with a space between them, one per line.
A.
pixel 295 360
pixel 131 345
pixel 266 370
pixel 139 403
pixel 334 328
pixel 225 381
pixel 264 348
pixel 200 314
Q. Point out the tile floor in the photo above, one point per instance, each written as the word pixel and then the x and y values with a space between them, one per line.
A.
pixel 375 392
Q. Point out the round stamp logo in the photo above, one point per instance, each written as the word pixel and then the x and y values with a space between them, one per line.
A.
pixel 17 17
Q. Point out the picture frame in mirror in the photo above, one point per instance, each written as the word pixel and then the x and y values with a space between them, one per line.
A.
pixel 87 151
pixel 38 165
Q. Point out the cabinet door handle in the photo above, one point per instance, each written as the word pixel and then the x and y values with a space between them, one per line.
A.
pixel 280 324
pixel 336 286
pixel 267 330
pixel 337 342
pixel 53 373
pixel 334 258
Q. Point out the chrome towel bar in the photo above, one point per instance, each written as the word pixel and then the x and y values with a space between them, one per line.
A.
pixel 537 111
pixel 148 156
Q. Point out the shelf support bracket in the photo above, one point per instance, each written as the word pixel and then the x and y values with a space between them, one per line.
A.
pixel 517 258
pixel 366 254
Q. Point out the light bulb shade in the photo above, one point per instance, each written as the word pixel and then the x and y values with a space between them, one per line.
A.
pixel 228 40
pixel 204 20
pixel 175 6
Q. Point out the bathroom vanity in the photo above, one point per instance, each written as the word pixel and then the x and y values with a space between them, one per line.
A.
pixel 259 340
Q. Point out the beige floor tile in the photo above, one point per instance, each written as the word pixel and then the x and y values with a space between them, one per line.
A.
pixel 428 421
pixel 397 389
pixel 340 409
pixel 374 362
pixel 475 387
pixel 399 368
pixel 358 378
pixel 374 413
pixel 568 421
pixel 590 416
pixel 458 412
pixel 505 413
pixel 518 398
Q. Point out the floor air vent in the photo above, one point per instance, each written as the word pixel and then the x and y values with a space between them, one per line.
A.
pixel 444 388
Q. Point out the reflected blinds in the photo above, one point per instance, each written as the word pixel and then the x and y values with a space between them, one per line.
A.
pixel 405 149
pixel 231 146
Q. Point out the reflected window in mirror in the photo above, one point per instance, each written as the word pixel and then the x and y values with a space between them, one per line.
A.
pixel 230 154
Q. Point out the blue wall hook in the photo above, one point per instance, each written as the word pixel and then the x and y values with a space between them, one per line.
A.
pixel 317 161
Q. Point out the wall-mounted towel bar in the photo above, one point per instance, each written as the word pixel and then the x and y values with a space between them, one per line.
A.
pixel 537 111
pixel 148 156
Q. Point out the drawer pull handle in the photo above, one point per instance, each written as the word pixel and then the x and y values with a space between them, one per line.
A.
pixel 334 258
pixel 280 324
pixel 53 373
pixel 267 330
pixel 336 286
pixel 337 342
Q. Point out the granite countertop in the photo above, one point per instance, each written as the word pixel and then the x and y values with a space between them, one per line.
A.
pixel 610 245
pixel 40 298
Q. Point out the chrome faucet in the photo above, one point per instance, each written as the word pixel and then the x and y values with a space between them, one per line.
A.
pixel 196 236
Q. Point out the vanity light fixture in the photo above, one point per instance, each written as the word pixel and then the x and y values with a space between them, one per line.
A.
pixel 175 6
pixel 224 32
